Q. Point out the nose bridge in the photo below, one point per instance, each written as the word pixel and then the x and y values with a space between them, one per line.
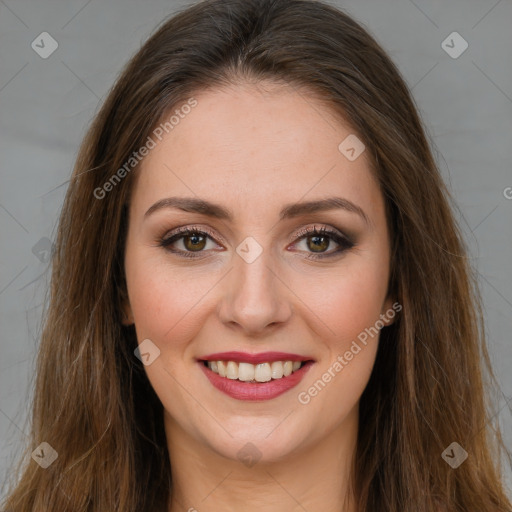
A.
pixel 255 298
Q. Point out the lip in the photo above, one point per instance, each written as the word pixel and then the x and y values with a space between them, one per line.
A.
pixel 262 357
pixel 255 391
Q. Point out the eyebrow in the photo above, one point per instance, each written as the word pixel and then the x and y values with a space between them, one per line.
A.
pixel 289 211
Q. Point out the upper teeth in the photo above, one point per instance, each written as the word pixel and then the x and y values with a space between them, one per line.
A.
pixel 262 372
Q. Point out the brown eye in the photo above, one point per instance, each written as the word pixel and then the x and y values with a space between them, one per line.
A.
pixel 194 242
pixel 318 243
pixel 189 242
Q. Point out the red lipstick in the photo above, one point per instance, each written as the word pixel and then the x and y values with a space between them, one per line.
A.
pixel 255 391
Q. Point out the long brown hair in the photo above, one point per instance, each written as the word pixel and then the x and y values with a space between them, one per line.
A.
pixel 93 403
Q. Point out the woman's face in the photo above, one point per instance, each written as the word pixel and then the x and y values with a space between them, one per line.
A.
pixel 252 280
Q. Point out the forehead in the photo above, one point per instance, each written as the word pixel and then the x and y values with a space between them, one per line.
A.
pixel 251 146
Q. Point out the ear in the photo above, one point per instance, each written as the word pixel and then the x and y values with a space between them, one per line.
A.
pixel 126 308
pixel 390 310
pixel 127 313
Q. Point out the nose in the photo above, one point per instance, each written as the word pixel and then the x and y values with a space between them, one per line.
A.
pixel 254 297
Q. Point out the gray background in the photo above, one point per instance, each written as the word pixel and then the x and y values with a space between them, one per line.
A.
pixel 47 104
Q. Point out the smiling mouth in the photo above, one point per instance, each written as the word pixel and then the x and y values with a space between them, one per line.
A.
pixel 255 373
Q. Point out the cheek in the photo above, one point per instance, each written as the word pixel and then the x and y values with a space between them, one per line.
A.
pixel 350 309
pixel 166 301
pixel 346 308
pixel 346 302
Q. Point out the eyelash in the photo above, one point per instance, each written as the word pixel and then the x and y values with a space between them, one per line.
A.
pixel 342 240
